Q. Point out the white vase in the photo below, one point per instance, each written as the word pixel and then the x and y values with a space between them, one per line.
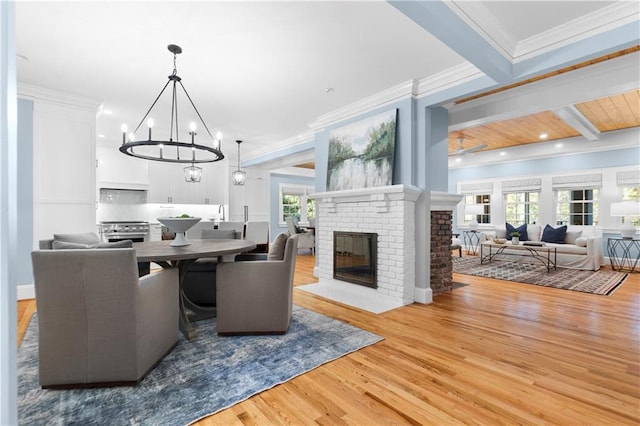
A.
pixel 515 240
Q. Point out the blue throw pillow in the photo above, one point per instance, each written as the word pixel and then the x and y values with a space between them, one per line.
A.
pixel 522 229
pixel 554 235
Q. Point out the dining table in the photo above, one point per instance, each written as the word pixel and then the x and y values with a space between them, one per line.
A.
pixel 182 257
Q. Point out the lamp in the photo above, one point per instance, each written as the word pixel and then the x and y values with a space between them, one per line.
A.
pixel 173 150
pixel 626 209
pixel 239 176
pixel 474 210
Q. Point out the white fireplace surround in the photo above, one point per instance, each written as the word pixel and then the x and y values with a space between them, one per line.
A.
pixel 390 212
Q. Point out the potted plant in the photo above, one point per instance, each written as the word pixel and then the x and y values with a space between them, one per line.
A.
pixel 515 237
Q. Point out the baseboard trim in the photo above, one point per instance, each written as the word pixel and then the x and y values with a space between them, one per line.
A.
pixel 423 295
pixel 26 291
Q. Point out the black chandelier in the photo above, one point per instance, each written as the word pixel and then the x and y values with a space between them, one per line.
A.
pixel 173 150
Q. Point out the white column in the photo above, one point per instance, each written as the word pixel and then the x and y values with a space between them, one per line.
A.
pixel 8 215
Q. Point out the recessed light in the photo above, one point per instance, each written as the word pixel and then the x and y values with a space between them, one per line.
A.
pixel 107 112
pixel 20 56
pixel 101 136
pixel 559 145
pixel 543 135
pixel 458 160
pixel 502 153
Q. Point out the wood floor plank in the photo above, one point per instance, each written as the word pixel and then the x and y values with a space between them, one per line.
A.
pixel 489 352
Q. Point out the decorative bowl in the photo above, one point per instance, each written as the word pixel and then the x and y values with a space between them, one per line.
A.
pixel 500 240
pixel 179 225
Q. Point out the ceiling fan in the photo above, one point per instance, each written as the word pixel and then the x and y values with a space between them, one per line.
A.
pixel 462 151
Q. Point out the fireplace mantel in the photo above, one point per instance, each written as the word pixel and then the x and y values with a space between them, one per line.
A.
pixel 378 193
pixel 398 215
pixel 444 201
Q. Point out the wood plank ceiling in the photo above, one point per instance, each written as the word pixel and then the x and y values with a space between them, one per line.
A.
pixel 606 114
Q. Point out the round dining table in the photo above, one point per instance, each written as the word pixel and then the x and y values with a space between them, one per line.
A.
pixel 182 257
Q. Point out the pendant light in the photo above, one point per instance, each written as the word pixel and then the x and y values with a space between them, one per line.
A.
pixel 239 176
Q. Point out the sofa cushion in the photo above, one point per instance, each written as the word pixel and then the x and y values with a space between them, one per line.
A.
pixel 581 241
pixel 534 232
pixel 86 238
pixel 276 248
pixel 554 235
pixel 572 236
pixel 522 229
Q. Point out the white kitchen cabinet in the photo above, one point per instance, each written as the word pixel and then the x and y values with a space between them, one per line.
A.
pixel 167 184
pixel 117 170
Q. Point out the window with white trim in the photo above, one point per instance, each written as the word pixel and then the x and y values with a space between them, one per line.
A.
pixel 294 201
pixel 522 200
pixel 577 199
pixel 577 207
pixel 629 185
pixel 522 207
pixel 478 193
pixel 481 199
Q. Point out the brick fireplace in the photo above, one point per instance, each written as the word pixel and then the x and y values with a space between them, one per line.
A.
pixel 390 212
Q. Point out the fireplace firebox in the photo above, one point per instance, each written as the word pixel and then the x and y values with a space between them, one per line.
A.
pixel 355 257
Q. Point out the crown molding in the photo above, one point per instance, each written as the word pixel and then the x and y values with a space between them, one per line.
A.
pixel 448 79
pixel 295 145
pixel 386 97
pixel 597 22
pixel 478 17
pixel 30 91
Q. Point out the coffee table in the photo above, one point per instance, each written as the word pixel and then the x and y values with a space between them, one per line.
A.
pixel 540 253
pixel 182 257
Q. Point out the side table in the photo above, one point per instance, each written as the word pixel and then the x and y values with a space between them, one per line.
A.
pixel 624 253
pixel 472 241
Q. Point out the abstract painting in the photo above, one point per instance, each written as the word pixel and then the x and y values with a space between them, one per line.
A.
pixel 361 154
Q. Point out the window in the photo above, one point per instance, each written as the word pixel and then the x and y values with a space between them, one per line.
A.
pixel 577 207
pixel 522 207
pixel 485 201
pixel 632 193
pixel 294 201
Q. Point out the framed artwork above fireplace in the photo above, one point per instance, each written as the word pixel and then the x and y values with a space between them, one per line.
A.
pixel 361 154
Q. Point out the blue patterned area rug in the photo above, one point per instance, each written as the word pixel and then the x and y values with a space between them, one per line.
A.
pixel 602 282
pixel 196 379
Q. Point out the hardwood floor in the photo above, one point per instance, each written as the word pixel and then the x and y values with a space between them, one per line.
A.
pixel 489 352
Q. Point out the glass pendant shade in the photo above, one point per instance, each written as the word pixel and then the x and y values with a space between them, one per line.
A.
pixel 239 177
pixel 192 174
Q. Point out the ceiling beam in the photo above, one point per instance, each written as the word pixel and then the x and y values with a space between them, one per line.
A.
pixel 443 23
pixel 575 119
pixel 582 85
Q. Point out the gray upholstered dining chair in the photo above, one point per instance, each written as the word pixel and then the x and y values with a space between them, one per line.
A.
pixel 99 324
pixel 256 297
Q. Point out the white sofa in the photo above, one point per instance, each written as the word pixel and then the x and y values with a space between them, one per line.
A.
pixel 582 248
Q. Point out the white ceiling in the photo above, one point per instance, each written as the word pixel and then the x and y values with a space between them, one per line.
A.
pixel 257 71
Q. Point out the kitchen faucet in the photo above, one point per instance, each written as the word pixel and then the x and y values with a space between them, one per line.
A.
pixel 221 207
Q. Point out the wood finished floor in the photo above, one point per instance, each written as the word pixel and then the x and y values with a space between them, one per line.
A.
pixel 489 352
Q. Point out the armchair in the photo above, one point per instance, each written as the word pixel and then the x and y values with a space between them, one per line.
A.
pixel 256 297
pixel 306 240
pixel 99 324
